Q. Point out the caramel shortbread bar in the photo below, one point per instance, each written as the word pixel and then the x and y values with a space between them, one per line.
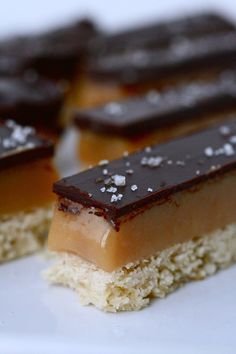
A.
pixel 195 54
pixel 127 125
pixel 140 226
pixel 56 53
pixel 158 34
pixel 26 176
pixel 32 100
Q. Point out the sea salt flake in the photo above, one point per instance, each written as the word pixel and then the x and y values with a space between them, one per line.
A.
pixel 28 130
pixel 134 187
pixel 108 181
pixel 113 198
pixel 180 163
pixel 151 161
pixel 153 97
pixel 219 151
pixel 112 190
pixel 232 139
pixel 8 143
pixel 10 123
pixel 129 172
pixel 119 180
pixel 114 108
pixel 105 172
pixel 197 172
pixel 148 149
pixel 228 150
pixel 116 198
pixel 150 190
pixel 224 130
pixel 119 196
pixel 140 58
pixel 18 135
pixel 102 189
pixel 209 152
pixel 30 145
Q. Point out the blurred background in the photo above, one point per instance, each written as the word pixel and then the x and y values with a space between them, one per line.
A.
pixel 24 15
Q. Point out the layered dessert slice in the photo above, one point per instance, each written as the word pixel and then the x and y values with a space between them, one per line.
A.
pixel 34 101
pixel 26 176
pixel 106 132
pixel 56 53
pixel 159 33
pixel 140 226
pixel 190 49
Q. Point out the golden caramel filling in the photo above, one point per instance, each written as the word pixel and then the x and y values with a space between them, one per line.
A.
pixel 88 93
pixel 91 93
pixel 26 186
pixel 94 147
pixel 186 215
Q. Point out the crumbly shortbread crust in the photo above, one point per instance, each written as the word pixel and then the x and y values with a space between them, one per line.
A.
pixel 23 233
pixel 132 287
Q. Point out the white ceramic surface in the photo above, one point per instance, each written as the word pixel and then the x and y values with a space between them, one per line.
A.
pixel 38 319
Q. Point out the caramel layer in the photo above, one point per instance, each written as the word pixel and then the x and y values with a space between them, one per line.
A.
pixel 94 147
pixel 89 93
pixel 92 93
pixel 27 186
pixel 184 216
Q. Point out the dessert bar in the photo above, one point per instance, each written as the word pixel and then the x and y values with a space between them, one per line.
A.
pixel 158 34
pixel 192 52
pixel 56 53
pixel 26 176
pixel 140 226
pixel 34 101
pixel 106 132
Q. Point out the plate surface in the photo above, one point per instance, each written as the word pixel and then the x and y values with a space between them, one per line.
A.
pixel 38 319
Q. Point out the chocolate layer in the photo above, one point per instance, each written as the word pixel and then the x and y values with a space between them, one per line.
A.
pixel 20 145
pixel 11 66
pixel 55 53
pixel 154 110
pixel 179 58
pixel 156 35
pixel 30 100
pixel 152 175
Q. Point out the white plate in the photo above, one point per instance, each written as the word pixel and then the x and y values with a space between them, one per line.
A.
pixel 38 319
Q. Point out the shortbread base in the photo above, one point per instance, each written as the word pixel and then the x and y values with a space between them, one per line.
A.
pixel 23 233
pixel 134 285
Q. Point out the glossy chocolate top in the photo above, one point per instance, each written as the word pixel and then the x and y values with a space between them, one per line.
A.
pixel 19 145
pixel 160 34
pixel 54 53
pixel 135 181
pixel 176 59
pixel 12 66
pixel 141 114
pixel 29 99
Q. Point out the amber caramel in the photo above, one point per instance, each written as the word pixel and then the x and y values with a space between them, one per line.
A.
pixel 94 147
pixel 27 186
pixel 179 219
pixel 91 93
